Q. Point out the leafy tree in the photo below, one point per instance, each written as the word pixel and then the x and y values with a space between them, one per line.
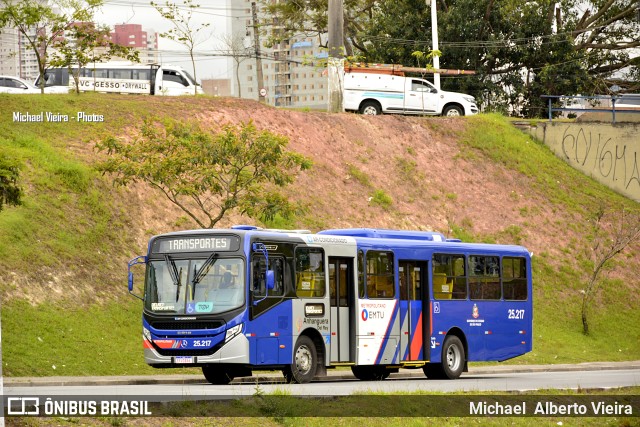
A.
pixel 42 23
pixel 293 17
pixel 10 192
pixel 520 50
pixel 208 174
pixel 613 230
pixel 84 43
pixel 184 31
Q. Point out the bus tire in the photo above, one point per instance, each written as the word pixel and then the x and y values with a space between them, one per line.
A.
pixel 305 362
pixel 452 111
pixel 433 371
pixel 370 373
pixel 452 357
pixel 217 375
pixel 370 108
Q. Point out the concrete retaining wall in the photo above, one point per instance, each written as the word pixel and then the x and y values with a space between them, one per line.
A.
pixel 610 153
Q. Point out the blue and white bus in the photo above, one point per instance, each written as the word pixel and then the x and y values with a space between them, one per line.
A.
pixel 241 299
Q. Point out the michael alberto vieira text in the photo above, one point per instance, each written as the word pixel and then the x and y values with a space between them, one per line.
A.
pixel 550 408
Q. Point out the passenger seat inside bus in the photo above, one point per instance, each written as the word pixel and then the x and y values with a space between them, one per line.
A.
pixel 305 285
pixel 441 288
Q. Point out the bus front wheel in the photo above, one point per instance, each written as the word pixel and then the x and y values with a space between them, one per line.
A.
pixel 305 362
pixel 217 375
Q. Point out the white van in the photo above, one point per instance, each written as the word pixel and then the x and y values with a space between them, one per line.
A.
pixel 126 77
pixel 373 93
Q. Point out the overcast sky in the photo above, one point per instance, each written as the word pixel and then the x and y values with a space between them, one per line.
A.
pixel 215 12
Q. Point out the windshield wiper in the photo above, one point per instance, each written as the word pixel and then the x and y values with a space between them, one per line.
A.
pixel 202 271
pixel 175 275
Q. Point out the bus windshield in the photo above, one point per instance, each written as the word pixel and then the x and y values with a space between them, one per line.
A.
pixel 194 286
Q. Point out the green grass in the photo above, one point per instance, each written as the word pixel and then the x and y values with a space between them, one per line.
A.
pixel 382 199
pixel 494 137
pixel 58 339
pixel 358 175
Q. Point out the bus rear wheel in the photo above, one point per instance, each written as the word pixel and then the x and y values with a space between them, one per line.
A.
pixel 452 361
pixel 305 362
pixel 370 373
pixel 217 375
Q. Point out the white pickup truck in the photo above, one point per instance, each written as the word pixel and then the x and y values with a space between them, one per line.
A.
pixel 374 93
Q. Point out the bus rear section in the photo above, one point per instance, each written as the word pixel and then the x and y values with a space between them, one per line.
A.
pixel 424 301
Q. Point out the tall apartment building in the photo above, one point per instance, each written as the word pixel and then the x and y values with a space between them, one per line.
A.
pixel 288 82
pixel 17 57
pixel 133 35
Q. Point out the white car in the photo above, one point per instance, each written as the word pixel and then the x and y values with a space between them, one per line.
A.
pixel 10 84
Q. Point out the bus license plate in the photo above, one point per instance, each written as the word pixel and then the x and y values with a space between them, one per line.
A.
pixel 184 359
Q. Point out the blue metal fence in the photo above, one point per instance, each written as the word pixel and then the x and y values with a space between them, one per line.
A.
pixel 611 110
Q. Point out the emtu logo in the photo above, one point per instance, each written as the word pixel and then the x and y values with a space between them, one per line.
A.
pixel 365 314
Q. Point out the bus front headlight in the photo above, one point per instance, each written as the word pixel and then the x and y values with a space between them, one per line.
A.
pixel 146 334
pixel 232 332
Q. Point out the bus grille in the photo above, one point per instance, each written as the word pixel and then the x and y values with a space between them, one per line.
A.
pixel 168 352
pixel 177 326
pixel 180 352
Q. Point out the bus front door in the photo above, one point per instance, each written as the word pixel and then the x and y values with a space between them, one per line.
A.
pixel 414 311
pixel 342 319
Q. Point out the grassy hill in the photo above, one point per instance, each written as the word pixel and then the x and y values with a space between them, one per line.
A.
pixel 63 253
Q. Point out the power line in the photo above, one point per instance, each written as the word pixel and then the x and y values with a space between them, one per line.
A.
pixel 202 10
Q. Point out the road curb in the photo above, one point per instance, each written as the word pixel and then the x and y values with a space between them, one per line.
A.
pixel 276 377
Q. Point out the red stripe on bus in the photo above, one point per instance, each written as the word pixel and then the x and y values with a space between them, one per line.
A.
pixel 416 342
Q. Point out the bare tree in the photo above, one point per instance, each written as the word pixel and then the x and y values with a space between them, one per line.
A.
pixel 233 45
pixel 184 31
pixel 613 231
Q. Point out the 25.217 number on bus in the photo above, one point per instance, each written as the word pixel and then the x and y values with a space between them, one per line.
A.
pixel 515 314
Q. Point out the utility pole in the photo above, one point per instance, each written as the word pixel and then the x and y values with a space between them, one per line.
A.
pixel 335 65
pixel 434 39
pixel 262 92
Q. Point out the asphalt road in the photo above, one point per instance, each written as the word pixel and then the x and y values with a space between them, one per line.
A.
pixel 339 383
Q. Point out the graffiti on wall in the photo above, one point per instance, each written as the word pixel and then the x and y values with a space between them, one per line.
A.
pixel 603 157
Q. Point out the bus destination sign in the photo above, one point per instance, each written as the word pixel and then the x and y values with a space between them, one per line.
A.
pixel 196 244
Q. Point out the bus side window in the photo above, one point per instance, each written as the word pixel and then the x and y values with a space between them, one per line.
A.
pixel 310 273
pixel 361 284
pixel 380 275
pixel 449 277
pixel 484 277
pixel 514 278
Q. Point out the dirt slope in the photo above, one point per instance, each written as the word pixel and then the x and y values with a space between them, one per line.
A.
pixel 417 161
